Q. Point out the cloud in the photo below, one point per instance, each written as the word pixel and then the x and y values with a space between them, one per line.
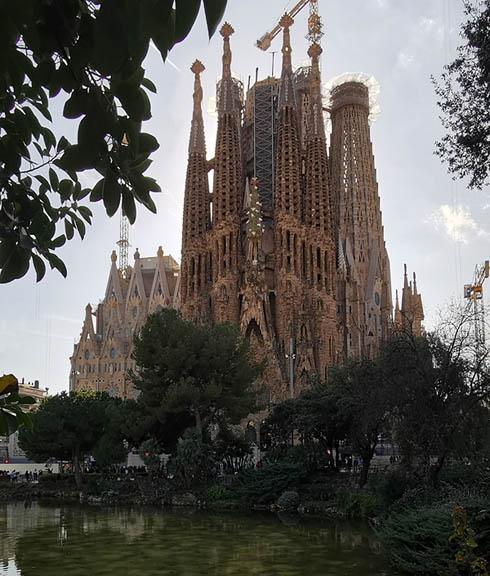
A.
pixel 404 60
pixel 457 222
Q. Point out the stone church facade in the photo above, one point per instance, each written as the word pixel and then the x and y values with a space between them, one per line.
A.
pixel 102 357
pixel 289 243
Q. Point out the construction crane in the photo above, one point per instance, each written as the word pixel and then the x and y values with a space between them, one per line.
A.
pixel 314 25
pixel 474 294
pixel 123 244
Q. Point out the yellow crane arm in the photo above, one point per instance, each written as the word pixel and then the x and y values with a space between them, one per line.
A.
pixel 265 41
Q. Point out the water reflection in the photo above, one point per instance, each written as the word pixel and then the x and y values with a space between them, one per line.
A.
pixel 72 541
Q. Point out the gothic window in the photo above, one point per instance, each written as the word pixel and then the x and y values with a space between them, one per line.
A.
pixel 159 289
pixel 135 311
pixel 136 293
pixel 87 354
pixel 113 353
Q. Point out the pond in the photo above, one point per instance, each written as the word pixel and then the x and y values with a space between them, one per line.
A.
pixel 38 540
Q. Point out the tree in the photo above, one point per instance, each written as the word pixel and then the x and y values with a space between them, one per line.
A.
pixel 93 51
pixel 464 100
pixel 68 427
pixel 186 370
pixel 443 388
pixel 365 398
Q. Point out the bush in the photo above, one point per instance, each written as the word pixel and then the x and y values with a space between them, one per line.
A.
pixel 357 505
pixel 65 478
pixel 391 486
pixel 288 501
pixel 264 485
pixel 417 541
pixel 217 492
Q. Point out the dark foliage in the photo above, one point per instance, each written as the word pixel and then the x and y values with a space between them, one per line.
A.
pixel 464 99
pixel 93 53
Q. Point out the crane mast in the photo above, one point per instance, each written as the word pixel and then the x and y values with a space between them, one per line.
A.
pixel 314 25
pixel 474 294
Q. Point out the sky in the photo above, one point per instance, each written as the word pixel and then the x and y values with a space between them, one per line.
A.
pixel 432 223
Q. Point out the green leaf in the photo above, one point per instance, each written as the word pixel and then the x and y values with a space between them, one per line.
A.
pixel 75 159
pixel 53 178
pixel 39 266
pixel 214 10
pixel 58 241
pixel 135 101
pixel 56 262
pixel 128 205
pixel 147 144
pixel 77 104
pixel 186 12
pixel 163 26
pixel 147 83
pixel 85 213
pixel 62 144
pixel 43 109
pixel 69 230
pixel 110 37
pixel 15 266
pixel 66 189
pixel 97 191
pixel 111 192
pixel 43 181
pixel 80 226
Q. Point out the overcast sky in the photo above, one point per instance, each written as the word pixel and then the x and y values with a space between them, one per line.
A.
pixel 435 225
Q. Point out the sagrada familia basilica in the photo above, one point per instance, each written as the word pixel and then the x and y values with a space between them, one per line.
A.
pixel 288 244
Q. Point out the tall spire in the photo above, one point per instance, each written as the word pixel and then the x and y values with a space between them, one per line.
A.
pixel 287 189
pixel 196 196
pixel 318 209
pixel 226 101
pixel 286 88
pixel 196 141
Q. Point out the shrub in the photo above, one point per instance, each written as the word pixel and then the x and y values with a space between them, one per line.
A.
pixel 264 485
pixel 288 501
pixel 359 504
pixel 417 541
pixel 65 478
pixel 391 486
pixel 217 492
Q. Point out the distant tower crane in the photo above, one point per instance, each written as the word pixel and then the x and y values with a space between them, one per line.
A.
pixel 123 244
pixel 314 25
pixel 474 294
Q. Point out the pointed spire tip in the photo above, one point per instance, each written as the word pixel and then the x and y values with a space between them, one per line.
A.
pixel 226 30
pixel 197 67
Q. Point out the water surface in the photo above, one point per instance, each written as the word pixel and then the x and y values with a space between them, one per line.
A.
pixel 37 540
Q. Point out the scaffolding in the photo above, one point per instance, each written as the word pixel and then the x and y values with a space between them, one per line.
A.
pixel 265 111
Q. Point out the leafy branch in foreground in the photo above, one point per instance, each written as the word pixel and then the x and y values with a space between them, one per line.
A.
pixel 92 50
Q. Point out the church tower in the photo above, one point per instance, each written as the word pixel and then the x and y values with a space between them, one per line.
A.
pixel 367 305
pixel 292 250
pixel 225 244
pixel 196 259
pixel 289 294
